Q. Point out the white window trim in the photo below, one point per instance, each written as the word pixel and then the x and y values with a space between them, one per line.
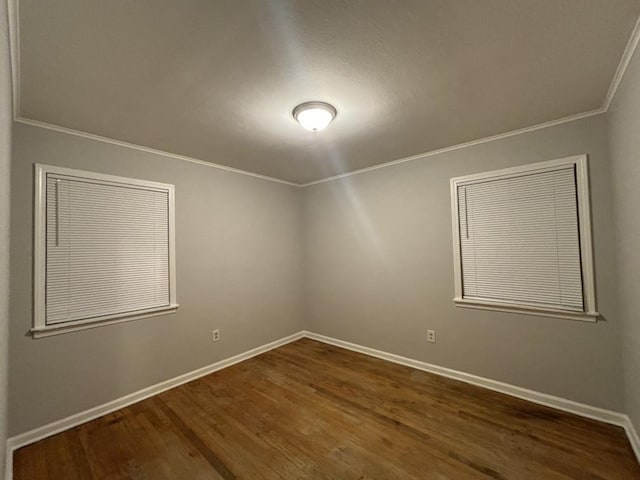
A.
pixel 590 312
pixel 40 328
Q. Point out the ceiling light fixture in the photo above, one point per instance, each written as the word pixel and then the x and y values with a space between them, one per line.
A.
pixel 314 116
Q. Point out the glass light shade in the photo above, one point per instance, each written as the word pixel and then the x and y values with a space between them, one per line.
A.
pixel 314 116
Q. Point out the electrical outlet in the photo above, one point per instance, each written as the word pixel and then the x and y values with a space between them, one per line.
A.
pixel 216 334
pixel 431 336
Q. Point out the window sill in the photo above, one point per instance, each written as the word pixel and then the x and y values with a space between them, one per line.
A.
pixel 68 327
pixel 527 310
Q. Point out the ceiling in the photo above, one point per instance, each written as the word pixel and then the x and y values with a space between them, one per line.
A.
pixel 217 80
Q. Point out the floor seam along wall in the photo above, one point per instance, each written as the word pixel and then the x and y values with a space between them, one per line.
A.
pixel 581 409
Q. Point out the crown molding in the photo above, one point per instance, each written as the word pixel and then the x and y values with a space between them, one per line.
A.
pixel 112 141
pixel 14 36
pixel 625 60
pixel 480 141
pixel 14 53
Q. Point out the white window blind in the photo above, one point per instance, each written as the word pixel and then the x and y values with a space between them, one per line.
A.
pixel 519 238
pixel 107 248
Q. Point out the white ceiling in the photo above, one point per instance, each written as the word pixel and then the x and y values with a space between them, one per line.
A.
pixel 217 80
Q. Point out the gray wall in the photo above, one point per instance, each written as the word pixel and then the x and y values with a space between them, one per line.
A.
pixel 624 136
pixel 238 267
pixel 366 259
pixel 5 164
pixel 379 271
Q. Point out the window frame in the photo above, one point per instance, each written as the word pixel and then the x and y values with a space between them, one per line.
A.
pixel 590 312
pixel 40 327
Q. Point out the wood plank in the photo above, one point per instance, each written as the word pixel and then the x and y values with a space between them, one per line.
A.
pixel 309 410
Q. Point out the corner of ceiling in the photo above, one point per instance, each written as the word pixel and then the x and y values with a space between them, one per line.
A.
pixel 627 55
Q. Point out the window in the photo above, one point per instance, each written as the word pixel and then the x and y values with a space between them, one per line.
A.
pixel 522 240
pixel 104 250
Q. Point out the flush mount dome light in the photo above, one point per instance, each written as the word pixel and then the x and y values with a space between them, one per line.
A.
pixel 314 116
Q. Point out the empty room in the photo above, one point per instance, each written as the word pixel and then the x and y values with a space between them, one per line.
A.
pixel 319 239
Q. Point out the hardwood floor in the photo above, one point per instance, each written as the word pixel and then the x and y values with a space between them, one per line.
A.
pixel 313 411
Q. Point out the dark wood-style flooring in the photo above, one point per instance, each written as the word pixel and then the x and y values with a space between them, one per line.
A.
pixel 313 411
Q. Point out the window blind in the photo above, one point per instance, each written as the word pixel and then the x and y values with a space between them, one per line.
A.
pixel 519 239
pixel 107 249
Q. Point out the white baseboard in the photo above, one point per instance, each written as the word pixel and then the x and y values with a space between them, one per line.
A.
pixel 584 410
pixel 634 438
pixel 570 406
pixel 8 464
pixel 58 426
